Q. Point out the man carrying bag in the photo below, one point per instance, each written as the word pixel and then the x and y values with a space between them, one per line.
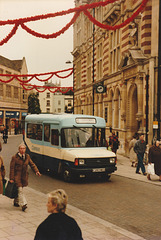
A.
pixel 19 174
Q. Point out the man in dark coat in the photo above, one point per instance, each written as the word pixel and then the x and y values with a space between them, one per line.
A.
pixel 58 225
pixel 155 157
pixel 19 174
pixel 139 149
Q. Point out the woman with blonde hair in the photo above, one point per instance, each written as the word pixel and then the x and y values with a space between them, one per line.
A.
pixel 58 225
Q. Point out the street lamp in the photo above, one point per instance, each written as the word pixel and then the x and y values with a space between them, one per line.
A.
pixel 147 109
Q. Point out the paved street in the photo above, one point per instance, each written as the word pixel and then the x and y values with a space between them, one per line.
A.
pixel 128 201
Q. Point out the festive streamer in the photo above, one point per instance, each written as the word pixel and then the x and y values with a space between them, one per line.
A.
pixel 127 21
pixel 83 8
pixel 43 88
pixel 36 76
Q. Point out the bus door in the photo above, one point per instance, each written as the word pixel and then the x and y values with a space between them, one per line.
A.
pixel 51 150
pixel 55 142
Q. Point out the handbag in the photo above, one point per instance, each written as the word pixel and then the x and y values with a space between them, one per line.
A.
pixel 4 185
pixel 11 190
pixel 150 169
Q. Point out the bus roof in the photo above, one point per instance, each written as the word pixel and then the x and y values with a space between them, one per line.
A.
pixel 66 120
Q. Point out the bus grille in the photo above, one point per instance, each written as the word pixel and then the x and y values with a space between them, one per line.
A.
pixel 97 162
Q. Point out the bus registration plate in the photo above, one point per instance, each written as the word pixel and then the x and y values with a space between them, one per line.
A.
pixel 98 170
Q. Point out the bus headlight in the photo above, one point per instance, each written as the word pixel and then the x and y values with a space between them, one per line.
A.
pixel 112 160
pixel 81 161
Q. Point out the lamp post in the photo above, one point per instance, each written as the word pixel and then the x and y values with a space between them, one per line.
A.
pixel 147 109
pixel 69 62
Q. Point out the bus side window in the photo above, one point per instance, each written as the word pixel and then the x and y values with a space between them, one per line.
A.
pixel 47 132
pixel 39 132
pixel 55 137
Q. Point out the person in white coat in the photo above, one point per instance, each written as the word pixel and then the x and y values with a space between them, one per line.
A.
pixel 132 154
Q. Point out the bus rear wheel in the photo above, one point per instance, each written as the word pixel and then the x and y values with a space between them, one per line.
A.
pixel 67 176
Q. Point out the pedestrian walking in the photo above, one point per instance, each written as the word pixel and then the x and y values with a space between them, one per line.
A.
pixel 114 142
pixel 2 171
pixel 132 154
pixel 2 174
pixel 58 225
pixel 5 135
pixel 155 157
pixel 139 149
pixel 19 174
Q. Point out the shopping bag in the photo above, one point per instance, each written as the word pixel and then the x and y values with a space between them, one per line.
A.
pixel 150 169
pixel 4 186
pixel 11 190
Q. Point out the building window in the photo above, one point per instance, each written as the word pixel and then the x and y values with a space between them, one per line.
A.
pixel 99 61
pixel 89 67
pixel 79 33
pixel 59 110
pixel 48 95
pixel 48 103
pixel 89 29
pixel 24 95
pixel 106 114
pixel 8 91
pixel 99 14
pixel 48 110
pixel 15 92
pixel 59 102
pixel 1 89
pixel 114 50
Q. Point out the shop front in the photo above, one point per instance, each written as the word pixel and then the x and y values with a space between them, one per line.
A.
pixel 12 121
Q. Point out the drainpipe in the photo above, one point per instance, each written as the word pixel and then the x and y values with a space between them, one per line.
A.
pixel 93 58
pixel 159 73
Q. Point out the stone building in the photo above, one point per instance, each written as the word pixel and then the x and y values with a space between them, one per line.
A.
pixel 13 98
pixel 55 102
pixel 112 68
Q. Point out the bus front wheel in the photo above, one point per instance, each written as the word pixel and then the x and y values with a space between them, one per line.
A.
pixel 67 174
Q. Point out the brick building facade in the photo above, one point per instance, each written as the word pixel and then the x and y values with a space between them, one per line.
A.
pixel 122 61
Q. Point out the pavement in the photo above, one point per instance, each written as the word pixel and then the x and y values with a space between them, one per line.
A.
pixel 18 225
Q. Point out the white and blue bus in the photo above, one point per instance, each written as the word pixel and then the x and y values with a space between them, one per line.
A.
pixel 69 144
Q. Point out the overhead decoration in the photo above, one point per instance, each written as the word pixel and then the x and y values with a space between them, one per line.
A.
pixel 28 77
pixel 43 88
pixel 83 8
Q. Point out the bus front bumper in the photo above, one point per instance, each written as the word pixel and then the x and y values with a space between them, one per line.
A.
pixel 88 172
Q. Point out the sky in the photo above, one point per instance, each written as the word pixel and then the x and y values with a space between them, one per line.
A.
pixel 41 55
